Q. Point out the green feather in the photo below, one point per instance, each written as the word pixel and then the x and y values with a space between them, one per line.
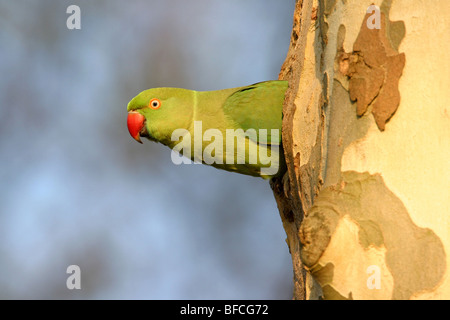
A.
pixel 258 106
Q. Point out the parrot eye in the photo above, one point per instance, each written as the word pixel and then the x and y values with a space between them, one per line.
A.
pixel 154 103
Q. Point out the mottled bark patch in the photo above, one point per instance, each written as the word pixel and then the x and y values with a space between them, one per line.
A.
pixel 415 256
pixel 374 69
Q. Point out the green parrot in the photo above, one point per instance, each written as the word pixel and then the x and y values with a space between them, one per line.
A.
pixel 237 129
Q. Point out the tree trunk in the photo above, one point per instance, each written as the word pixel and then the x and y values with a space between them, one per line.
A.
pixel 366 136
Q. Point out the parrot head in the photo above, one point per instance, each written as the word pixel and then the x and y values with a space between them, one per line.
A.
pixel 156 113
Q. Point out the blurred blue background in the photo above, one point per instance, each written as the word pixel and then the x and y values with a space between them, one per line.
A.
pixel 75 188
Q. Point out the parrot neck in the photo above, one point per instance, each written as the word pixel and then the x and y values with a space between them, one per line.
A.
pixel 207 109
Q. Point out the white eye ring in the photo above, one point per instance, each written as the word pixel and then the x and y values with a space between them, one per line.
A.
pixel 154 103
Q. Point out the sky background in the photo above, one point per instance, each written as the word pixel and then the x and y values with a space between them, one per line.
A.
pixel 75 188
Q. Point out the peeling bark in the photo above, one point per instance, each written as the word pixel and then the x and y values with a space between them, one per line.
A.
pixel 354 197
pixel 374 70
pixel 296 190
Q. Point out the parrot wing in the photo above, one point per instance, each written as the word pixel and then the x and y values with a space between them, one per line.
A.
pixel 258 106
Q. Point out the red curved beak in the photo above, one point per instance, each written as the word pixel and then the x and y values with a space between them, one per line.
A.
pixel 135 123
